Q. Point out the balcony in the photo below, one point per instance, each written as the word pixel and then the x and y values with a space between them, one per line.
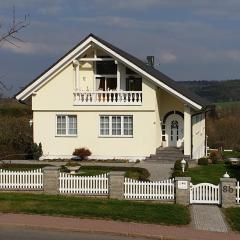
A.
pixel 120 98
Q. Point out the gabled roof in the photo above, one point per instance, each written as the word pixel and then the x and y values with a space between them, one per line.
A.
pixel 158 77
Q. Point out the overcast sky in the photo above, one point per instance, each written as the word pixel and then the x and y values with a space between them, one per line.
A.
pixel 191 40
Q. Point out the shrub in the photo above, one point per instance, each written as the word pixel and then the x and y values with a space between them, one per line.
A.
pixel 203 161
pixel 72 164
pixel 215 157
pixel 178 173
pixel 34 151
pixel 82 153
pixel 178 166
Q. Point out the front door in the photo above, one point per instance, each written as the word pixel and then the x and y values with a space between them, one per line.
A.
pixel 174 130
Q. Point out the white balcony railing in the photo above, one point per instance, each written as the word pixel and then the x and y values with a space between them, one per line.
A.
pixel 107 97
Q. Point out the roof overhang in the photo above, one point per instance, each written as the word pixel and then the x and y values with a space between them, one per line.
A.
pixel 80 49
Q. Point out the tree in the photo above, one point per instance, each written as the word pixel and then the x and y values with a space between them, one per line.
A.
pixel 10 35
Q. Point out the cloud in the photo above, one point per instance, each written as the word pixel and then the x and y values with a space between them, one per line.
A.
pixel 167 57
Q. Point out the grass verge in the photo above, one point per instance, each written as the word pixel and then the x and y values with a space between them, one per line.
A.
pixel 21 167
pixel 233 217
pixel 168 214
pixel 212 173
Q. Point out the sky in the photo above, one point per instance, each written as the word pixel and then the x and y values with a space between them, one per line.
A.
pixel 191 40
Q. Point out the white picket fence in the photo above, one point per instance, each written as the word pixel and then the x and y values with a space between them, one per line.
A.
pixel 22 180
pixel 204 193
pixel 238 193
pixel 157 190
pixel 86 185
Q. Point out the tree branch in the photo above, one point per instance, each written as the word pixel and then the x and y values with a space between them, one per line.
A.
pixel 15 27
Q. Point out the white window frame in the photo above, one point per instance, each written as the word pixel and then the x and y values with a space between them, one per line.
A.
pixel 67 125
pixel 110 126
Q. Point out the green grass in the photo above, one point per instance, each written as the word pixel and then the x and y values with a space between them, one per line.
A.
pixel 21 167
pixel 169 214
pixel 233 154
pixel 233 217
pixel 131 172
pixel 212 173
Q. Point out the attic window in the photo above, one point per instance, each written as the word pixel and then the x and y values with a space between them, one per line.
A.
pixel 106 67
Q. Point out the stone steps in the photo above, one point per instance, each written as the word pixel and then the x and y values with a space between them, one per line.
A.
pixel 166 155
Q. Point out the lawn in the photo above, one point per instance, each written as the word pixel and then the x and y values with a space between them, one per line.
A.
pixel 131 172
pixel 233 217
pixel 168 214
pixel 22 167
pixel 212 173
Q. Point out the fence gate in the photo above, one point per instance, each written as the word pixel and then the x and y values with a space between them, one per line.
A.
pixel 205 193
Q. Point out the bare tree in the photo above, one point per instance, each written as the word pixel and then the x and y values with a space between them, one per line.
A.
pixel 10 35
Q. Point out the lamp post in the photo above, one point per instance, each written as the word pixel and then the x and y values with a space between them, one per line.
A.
pixel 183 164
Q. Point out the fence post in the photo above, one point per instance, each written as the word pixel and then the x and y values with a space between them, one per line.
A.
pixel 182 186
pixel 116 185
pixel 228 192
pixel 51 180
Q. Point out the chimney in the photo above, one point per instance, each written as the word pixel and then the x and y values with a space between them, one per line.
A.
pixel 150 61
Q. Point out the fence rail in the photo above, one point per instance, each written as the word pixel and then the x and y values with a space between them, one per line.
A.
pixel 238 193
pixel 86 185
pixel 157 190
pixel 23 180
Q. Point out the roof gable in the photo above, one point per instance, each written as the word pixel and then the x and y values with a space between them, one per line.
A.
pixel 156 76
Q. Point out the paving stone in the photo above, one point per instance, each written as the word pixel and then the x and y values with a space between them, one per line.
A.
pixel 208 217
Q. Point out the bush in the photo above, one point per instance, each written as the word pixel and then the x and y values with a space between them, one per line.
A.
pixel 178 173
pixel 215 157
pixel 82 153
pixel 33 151
pixel 178 166
pixel 202 161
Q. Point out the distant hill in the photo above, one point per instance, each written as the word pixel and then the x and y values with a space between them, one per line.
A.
pixel 215 91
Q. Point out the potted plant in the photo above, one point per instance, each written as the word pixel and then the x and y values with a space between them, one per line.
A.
pixel 82 153
pixel 72 167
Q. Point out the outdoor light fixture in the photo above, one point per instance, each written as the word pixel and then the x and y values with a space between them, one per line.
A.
pixel 183 164
pixel 226 175
pixel 30 122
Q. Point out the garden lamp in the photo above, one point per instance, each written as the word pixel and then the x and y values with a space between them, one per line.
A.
pixel 226 175
pixel 183 164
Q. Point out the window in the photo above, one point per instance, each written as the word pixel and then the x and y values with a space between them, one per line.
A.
pixel 128 125
pixel 106 67
pixel 116 125
pixel 104 125
pixel 133 84
pixel 66 125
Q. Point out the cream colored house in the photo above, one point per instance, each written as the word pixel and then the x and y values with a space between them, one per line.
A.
pixel 100 97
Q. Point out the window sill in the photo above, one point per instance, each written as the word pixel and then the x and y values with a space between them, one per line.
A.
pixel 66 135
pixel 115 136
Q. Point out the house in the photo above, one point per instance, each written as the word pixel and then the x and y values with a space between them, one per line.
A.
pixel 101 97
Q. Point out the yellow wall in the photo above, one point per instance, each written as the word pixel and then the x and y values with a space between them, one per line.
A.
pixel 57 94
pixel 141 144
pixel 56 97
